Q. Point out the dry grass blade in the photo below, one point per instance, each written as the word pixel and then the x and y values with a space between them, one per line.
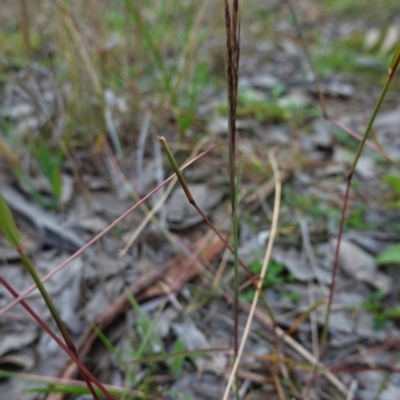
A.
pixel 263 272
pixel 69 22
pixel 263 318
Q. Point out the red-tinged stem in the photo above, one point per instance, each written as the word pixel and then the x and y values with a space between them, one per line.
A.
pixel 50 305
pixel 393 70
pixel 354 134
pixel 85 372
pixel 335 264
pixel 192 201
pixel 346 198
pixel 101 234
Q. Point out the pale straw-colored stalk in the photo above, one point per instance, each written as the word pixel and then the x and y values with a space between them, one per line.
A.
pixel 263 272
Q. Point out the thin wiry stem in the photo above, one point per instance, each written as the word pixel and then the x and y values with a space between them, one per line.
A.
pixel 232 26
pixel 231 119
pixel 72 354
pixel 363 141
pixel 102 233
pixel 53 311
pixel 192 201
pixel 345 203
pixel 267 257
pixel 13 237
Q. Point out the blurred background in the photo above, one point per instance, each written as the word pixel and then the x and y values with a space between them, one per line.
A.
pixel 86 87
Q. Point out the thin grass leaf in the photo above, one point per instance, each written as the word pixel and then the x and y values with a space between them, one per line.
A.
pixel 81 390
pixel 50 163
pixel 37 196
pixel 176 169
pixel 395 59
pixel 147 329
pixel 108 344
pixel 56 316
pixel 192 201
pixel 7 224
pixel 177 361
pixel 48 300
pixel 193 354
pixel 59 388
pixel 102 233
pixel 88 377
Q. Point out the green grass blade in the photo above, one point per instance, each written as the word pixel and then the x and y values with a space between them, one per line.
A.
pixel 175 167
pixel 7 224
pixel 394 60
pixel 46 297
pixel 146 326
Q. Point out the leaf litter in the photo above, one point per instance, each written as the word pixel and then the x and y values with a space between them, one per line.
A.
pixel 84 292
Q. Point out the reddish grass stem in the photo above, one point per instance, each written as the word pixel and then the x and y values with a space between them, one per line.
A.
pixel 232 25
pixel 363 141
pixel 87 375
pixel 394 64
pixel 102 233
pixel 346 196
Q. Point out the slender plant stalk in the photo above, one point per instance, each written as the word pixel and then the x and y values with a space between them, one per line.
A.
pixel 67 350
pixel 232 24
pixel 101 234
pixel 350 175
pixel 192 201
pixel 392 70
pixel 264 269
pixel 234 250
pixel 11 233
pixel 46 297
pixel 235 238
pixel 363 141
pixel 56 316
